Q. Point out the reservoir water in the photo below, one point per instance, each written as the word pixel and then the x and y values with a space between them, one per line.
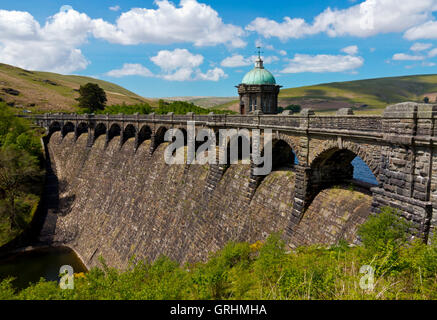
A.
pixel 30 266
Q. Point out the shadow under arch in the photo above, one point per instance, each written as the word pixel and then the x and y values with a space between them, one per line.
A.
pixel 128 133
pixel 144 134
pixel 158 138
pixel 114 131
pixel 283 158
pixel 53 127
pixel 67 128
pixel 82 128
pixel 99 130
pixel 332 167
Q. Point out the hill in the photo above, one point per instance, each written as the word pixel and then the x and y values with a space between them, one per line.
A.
pixel 50 92
pixel 366 96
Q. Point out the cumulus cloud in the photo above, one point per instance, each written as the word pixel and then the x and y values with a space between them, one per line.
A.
pixel 323 63
pixel 352 50
pixel 191 22
pixel 182 65
pixel 212 75
pixel 53 47
pixel 419 46
pixel 176 59
pixel 368 18
pixel 130 69
pixel 406 57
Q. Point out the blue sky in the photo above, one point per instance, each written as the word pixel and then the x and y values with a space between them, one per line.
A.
pixel 204 48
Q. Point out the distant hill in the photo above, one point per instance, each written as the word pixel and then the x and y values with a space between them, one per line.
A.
pixel 366 96
pixel 50 92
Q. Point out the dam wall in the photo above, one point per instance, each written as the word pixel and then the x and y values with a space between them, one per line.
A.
pixel 125 203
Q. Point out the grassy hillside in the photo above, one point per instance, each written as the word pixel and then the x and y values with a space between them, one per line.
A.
pixel 50 92
pixel 366 96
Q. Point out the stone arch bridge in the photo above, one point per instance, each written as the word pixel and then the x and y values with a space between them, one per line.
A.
pixel 398 147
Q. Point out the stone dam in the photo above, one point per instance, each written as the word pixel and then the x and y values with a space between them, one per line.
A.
pixel 111 194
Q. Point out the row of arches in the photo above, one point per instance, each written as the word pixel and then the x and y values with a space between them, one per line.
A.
pixel 331 166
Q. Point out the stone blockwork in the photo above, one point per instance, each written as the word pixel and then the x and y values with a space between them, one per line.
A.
pixel 116 186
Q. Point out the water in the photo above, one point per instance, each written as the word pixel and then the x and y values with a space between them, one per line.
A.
pixel 30 266
pixel 362 171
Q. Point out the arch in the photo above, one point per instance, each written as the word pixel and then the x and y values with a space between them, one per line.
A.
pixel 331 166
pixel 353 147
pixel 53 127
pixel 158 138
pixel 67 128
pixel 283 155
pixel 294 145
pixel 144 134
pixel 81 129
pixel 129 132
pixel 114 131
pixel 99 130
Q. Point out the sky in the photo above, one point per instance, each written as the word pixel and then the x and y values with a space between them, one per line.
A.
pixel 204 48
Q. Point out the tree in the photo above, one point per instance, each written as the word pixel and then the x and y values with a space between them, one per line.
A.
pixel 92 97
pixel 16 168
pixel 295 108
pixel 426 100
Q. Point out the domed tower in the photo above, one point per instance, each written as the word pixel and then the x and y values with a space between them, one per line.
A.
pixel 258 91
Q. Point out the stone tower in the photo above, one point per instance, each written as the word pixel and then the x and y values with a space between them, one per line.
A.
pixel 258 91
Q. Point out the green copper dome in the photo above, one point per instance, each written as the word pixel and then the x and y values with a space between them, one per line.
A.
pixel 259 75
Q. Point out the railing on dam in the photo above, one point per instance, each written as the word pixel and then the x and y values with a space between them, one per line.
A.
pixel 371 125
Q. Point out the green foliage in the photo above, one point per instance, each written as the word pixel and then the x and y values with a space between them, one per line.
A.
pixel 265 270
pixel 20 174
pixel 182 107
pixel 295 108
pixel 92 97
pixel 142 108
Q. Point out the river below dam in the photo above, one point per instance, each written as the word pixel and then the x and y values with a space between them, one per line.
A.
pixel 29 266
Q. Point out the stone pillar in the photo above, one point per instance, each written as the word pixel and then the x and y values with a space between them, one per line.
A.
pixel 406 165
pixel 300 202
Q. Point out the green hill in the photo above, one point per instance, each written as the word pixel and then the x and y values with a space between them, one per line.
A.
pixel 366 96
pixel 50 92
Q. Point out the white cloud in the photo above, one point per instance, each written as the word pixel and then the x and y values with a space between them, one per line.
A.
pixel 419 46
pixel 362 20
pixel 190 22
pixel 283 52
pixel 428 64
pixel 406 57
pixel 53 47
pixel 352 50
pixel 130 69
pixel 176 59
pixel 432 53
pixel 212 75
pixel 323 63
pixel 115 8
pixel 427 30
pixel 182 65
pixel 238 60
